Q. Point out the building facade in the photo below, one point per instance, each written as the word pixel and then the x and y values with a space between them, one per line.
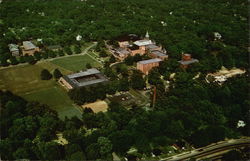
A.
pixel 146 65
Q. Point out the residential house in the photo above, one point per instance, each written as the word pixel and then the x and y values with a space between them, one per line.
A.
pixel 29 48
pixel 14 49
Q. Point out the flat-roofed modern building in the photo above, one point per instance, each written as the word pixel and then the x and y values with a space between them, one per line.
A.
pixel 146 65
pixel 29 48
pixel 187 60
pixel 83 79
pixel 158 54
pixel 14 49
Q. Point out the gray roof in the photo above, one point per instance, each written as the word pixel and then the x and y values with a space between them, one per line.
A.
pixel 158 53
pixel 72 79
pixel 187 62
pixel 13 47
pixel 152 46
pixel 122 51
pixel 150 61
pixel 142 42
pixel 28 45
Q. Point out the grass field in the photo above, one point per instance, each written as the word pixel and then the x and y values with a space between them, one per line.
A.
pixel 25 81
pixel 57 99
pixel 76 63
pixel 26 78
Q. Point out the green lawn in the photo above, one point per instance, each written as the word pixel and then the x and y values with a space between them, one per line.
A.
pixel 25 81
pixel 76 63
pixel 26 78
pixel 57 99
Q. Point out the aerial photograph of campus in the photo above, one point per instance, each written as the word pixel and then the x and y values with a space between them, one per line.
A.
pixel 124 80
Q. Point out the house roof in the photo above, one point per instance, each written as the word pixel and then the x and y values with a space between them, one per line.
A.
pixel 28 45
pixel 158 53
pixel 13 47
pixel 150 61
pixel 143 42
pixel 187 62
pixel 122 51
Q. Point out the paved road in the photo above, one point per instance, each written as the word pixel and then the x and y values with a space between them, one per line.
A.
pixel 85 51
pixel 216 149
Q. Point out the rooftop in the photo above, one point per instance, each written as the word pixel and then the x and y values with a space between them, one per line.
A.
pixel 187 62
pixel 150 61
pixel 159 53
pixel 143 42
pixel 13 47
pixel 152 46
pixel 122 51
pixel 86 78
pixel 28 45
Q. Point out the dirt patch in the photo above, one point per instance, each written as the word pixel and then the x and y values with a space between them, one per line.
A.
pixel 98 106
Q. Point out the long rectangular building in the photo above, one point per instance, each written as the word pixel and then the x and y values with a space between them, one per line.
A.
pixel 146 65
pixel 83 79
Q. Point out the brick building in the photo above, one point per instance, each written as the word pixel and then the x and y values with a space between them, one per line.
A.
pixel 158 54
pixel 187 60
pixel 146 65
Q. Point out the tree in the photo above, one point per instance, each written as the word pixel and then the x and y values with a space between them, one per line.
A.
pixel 68 50
pixel 105 146
pixel 13 60
pixel 103 53
pixel 49 151
pixel 137 81
pixel 129 60
pixel 154 77
pixel 112 59
pixel 38 56
pixel 45 75
pixel 88 66
pixel 61 53
pixel 232 156
pixel 45 55
pixel 77 49
pixel 92 151
pixel 57 74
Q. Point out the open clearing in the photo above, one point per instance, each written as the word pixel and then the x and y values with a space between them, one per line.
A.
pixel 76 63
pixel 98 106
pixel 57 99
pixel 25 81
